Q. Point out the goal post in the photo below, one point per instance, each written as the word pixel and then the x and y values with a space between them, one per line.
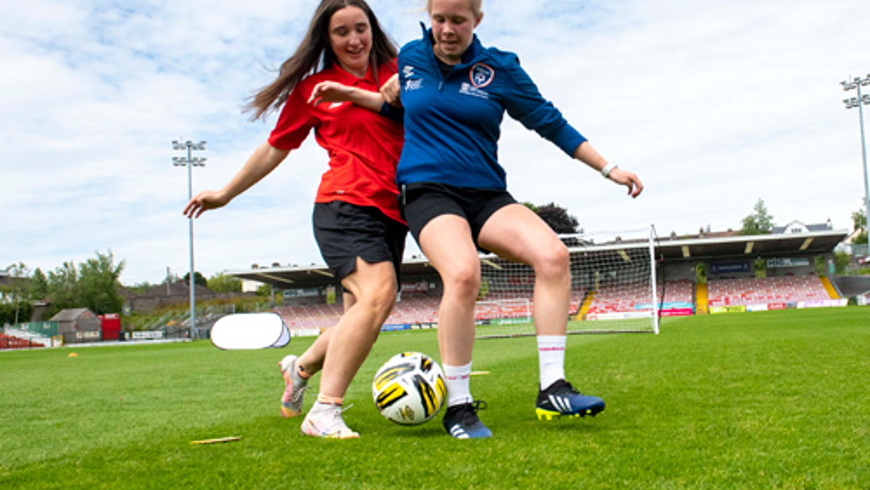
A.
pixel 613 287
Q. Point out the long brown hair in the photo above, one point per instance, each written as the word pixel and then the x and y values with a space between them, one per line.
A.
pixel 314 54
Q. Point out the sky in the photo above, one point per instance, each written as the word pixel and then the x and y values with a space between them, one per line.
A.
pixel 713 104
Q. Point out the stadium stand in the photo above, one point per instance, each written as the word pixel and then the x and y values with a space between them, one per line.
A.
pixel 421 308
pixel 612 298
pixel 415 308
pixel 316 316
pixel 12 342
pixel 681 291
pixel 617 298
pixel 749 291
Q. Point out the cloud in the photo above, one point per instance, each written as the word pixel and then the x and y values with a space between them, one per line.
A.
pixel 713 105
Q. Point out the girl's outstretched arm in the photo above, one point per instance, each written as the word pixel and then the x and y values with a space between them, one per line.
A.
pixel 264 159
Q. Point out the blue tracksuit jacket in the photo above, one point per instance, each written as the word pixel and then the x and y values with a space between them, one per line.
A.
pixel 452 123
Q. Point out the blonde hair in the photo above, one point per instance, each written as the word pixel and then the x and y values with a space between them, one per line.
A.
pixel 475 5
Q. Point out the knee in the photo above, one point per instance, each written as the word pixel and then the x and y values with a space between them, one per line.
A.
pixel 376 296
pixel 554 261
pixel 463 281
pixel 381 299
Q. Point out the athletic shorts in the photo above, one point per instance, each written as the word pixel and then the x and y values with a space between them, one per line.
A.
pixel 422 202
pixel 346 231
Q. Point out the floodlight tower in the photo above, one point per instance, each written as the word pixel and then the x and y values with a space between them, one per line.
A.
pixel 859 102
pixel 190 161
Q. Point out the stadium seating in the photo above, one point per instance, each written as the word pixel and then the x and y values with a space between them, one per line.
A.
pixel 751 291
pixel 629 297
pixel 310 316
pixel 12 342
pixel 681 291
pixel 413 308
pixel 417 308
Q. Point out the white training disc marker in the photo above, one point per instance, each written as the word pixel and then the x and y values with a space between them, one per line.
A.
pixel 249 331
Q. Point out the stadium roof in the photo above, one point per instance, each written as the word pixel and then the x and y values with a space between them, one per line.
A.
pixel 697 248
pixel 733 247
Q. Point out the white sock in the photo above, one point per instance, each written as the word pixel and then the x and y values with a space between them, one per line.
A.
pixel 551 358
pixel 457 378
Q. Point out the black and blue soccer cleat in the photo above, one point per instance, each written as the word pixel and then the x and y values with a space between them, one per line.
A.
pixel 462 422
pixel 560 399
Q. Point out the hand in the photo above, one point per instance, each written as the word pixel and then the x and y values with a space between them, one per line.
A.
pixel 628 179
pixel 204 201
pixel 391 90
pixel 330 92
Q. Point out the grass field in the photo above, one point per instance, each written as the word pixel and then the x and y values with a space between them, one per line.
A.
pixel 756 400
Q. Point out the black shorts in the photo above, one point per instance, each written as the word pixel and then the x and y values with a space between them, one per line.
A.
pixel 422 202
pixel 346 231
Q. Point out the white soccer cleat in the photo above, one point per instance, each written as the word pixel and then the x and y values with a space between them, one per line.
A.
pixel 325 421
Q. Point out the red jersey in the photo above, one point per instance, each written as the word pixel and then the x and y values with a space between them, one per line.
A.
pixel 363 146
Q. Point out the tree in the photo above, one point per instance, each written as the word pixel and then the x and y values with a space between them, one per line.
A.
pixel 841 264
pixel 557 217
pixel 141 287
pixel 62 287
pixel 15 290
pixel 222 283
pixel 859 219
pixel 38 288
pixel 264 290
pixel 99 282
pixel 94 285
pixel 197 279
pixel 759 222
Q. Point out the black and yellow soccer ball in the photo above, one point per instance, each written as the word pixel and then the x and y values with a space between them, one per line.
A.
pixel 409 388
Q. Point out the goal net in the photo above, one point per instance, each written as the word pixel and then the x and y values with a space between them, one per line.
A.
pixel 513 311
pixel 613 288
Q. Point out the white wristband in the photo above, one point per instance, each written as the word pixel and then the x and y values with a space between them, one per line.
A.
pixel 607 169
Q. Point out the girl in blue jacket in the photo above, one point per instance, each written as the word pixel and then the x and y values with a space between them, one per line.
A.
pixel 455 93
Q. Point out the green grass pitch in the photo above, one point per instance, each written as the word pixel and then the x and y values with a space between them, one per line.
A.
pixel 755 400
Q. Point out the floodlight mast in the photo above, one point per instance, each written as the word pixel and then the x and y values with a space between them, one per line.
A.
pixel 190 161
pixel 859 102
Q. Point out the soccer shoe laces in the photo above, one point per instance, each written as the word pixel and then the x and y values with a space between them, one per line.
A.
pixel 561 387
pixel 469 414
pixel 462 422
pixel 329 423
pixel 337 427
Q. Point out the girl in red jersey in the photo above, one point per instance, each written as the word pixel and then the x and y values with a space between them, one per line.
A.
pixel 356 216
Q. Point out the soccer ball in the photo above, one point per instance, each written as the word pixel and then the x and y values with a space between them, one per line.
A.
pixel 409 389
